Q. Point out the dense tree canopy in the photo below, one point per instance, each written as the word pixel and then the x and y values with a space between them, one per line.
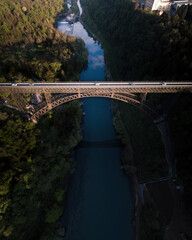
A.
pixel 28 21
pixel 35 163
pixel 143 46
pixel 31 48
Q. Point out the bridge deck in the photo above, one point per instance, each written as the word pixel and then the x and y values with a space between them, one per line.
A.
pixel 73 87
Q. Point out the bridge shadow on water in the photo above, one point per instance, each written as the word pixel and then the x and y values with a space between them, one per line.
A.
pixel 113 143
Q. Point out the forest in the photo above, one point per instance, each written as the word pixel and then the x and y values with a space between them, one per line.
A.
pixel 146 46
pixel 31 48
pixel 36 160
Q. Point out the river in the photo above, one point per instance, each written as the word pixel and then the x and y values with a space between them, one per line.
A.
pixel 99 204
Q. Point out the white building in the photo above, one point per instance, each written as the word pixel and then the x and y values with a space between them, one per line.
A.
pixel 158 5
pixel 164 5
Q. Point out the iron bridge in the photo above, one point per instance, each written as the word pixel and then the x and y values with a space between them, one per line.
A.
pixel 55 94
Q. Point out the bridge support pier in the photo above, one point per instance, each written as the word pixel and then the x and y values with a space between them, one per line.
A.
pixel 48 100
pixel 143 97
pixel 112 93
pixel 79 93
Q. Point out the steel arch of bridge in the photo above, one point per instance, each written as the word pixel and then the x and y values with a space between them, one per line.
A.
pixel 57 100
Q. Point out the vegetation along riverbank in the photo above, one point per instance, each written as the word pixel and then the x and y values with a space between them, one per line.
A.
pixel 31 48
pixel 36 160
pixel 143 46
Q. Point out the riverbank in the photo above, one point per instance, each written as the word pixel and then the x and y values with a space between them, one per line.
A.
pixel 148 192
pixel 128 165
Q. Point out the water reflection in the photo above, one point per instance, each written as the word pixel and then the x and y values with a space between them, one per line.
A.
pixel 64 26
pixel 96 62
pixel 96 55
pixel 79 31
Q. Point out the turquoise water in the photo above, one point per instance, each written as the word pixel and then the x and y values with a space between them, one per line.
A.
pixel 99 204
